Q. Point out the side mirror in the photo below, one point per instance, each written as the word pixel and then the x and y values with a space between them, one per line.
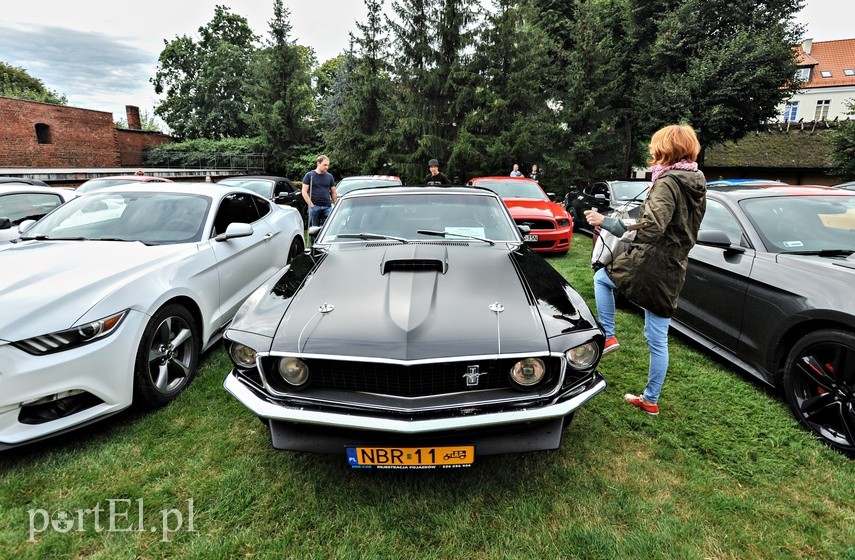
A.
pixel 313 230
pixel 525 230
pixel 5 223
pixel 25 225
pixel 551 196
pixel 235 230
pixel 717 238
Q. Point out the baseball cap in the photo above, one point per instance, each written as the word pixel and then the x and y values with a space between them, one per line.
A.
pixel 433 162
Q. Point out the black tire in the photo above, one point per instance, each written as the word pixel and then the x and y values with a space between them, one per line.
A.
pixel 296 249
pixel 167 356
pixel 819 384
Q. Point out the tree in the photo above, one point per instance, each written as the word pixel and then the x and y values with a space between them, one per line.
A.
pixel 282 95
pixel 432 40
pixel 17 83
pixel 204 81
pixel 510 120
pixel 360 119
pixel 843 145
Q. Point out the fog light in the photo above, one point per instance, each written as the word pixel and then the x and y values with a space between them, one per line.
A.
pixel 242 356
pixel 294 371
pixel 528 372
pixel 582 357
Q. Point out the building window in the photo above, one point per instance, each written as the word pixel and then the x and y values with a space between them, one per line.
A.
pixel 848 72
pixel 822 108
pixel 826 73
pixel 43 134
pixel 803 75
pixel 791 108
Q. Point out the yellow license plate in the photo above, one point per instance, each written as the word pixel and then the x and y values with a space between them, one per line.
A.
pixel 410 457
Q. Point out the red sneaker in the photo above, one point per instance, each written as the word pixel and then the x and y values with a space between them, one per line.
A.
pixel 611 345
pixel 648 407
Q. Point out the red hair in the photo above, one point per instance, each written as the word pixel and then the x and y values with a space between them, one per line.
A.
pixel 674 143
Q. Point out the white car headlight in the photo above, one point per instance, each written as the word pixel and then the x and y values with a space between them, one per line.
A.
pixel 71 338
pixel 243 356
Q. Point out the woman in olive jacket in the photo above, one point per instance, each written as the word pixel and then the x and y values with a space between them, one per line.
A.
pixel 652 271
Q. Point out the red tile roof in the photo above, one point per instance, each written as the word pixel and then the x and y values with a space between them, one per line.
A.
pixel 831 56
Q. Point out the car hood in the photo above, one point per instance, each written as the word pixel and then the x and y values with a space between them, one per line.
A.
pixel 533 208
pixel 412 302
pixel 837 269
pixel 50 285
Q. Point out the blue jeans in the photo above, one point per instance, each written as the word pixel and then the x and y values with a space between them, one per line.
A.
pixel 655 331
pixel 318 215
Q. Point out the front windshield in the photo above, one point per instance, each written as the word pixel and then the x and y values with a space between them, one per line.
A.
pixel 263 187
pixel 796 224
pixel 514 189
pixel 152 218
pixel 624 191
pixel 403 216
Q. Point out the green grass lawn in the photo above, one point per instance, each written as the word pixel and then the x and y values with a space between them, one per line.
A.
pixel 723 472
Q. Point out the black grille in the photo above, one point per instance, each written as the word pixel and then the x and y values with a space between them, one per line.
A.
pixel 413 381
pixel 536 224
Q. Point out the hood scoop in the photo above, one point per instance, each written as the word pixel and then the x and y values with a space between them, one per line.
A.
pixel 415 258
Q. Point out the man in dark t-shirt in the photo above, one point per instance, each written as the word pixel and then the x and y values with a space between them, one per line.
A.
pixel 435 177
pixel 319 191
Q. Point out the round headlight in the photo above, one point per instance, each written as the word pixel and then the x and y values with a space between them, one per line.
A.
pixel 582 357
pixel 294 371
pixel 528 372
pixel 242 356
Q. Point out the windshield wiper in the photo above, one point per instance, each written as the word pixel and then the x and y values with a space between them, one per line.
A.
pixel 364 235
pixel 822 252
pixel 44 237
pixel 463 235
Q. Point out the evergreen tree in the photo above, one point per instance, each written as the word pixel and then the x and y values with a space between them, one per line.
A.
pixel 362 121
pixel 282 93
pixel 510 120
pixel 204 82
pixel 432 40
pixel 843 145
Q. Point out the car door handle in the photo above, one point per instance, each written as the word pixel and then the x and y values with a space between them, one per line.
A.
pixel 268 236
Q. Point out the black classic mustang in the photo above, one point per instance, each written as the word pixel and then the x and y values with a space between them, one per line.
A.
pixel 420 331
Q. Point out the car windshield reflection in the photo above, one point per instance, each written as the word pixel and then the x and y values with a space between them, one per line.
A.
pixel 804 224
pixel 515 189
pixel 625 191
pixel 419 217
pixel 258 186
pixel 152 218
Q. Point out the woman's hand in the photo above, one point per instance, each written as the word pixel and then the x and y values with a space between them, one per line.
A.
pixel 594 218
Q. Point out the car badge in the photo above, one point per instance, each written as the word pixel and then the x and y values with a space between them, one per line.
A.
pixel 472 374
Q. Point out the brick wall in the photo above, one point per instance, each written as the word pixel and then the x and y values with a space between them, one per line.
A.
pixel 72 137
pixel 131 144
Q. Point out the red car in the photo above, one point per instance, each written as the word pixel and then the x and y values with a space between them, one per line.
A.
pixel 551 226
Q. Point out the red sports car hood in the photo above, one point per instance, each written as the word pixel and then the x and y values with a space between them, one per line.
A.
pixel 533 208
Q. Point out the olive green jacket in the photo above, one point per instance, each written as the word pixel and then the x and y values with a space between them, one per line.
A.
pixel 651 273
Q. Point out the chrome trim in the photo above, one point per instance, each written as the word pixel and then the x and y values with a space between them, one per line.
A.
pixel 520 396
pixel 438 359
pixel 271 411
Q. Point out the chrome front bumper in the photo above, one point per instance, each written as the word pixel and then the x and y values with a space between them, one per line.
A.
pixel 277 412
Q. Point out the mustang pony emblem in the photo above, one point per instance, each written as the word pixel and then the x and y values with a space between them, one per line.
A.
pixel 472 374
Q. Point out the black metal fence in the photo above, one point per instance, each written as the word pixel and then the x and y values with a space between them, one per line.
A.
pixel 206 160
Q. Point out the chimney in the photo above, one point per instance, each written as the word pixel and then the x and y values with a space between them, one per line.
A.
pixel 133 114
pixel 807 45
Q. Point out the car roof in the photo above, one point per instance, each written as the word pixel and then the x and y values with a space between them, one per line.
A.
pixel 759 191
pixel 252 177
pixel 453 190
pixel 16 188
pixel 206 189
pixel 366 177
pixel 737 182
pixel 22 181
pixel 501 178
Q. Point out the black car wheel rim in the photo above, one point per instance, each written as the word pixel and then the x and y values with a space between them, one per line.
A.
pixel 824 391
pixel 170 355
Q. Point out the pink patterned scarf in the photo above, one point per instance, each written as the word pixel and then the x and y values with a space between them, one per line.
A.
pixel 683 165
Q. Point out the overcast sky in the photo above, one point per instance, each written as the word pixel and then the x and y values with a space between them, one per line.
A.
pixel 101 53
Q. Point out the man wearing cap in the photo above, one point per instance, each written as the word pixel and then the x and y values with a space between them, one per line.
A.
pixel 435 177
